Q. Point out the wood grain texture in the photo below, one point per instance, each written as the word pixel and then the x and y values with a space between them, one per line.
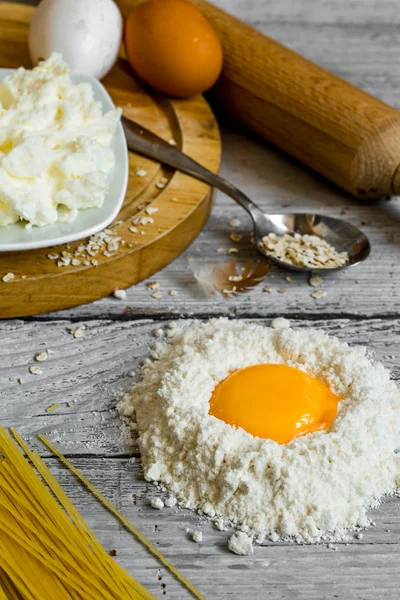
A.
pixel 359 41
pixel 365 569
pixel 277 184
pixel 182 205
pixel 90 372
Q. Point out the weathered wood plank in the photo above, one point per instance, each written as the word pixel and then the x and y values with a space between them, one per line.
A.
pixel 366 568
pixel 366 55
pixel 359 12
pixel 275 184
pixel 308 11
pixel 91 371
pixel 358 40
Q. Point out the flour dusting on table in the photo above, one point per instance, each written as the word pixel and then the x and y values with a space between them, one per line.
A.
pixel 316 485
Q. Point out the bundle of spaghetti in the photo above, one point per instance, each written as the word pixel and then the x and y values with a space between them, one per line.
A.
pixel 47 551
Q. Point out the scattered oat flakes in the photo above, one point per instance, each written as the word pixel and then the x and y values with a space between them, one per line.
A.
pixel 77 333
pixel 119 294
pixel 153 285
pixel 8 277
pixel 303 250
pixel 267 288
pixel 172 142
pixel 233 250
pixel 133 229
pixel 141 173
pixel 64 261
pixel 157 295
pixel 104 243
pixel 173 293
pixel 143 220
pixel 52 407
pixel 35 370
pixel 281 290
pixel 235 237
pixel 24 276
pixel 160 186
pixel 289 279
pixel 315 281
pixel 234 223
pixel 318 294
pixel 150 210
pixel 41 356
pixel 235 277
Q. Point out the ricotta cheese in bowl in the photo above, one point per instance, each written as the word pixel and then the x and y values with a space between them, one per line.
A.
pixel 56 146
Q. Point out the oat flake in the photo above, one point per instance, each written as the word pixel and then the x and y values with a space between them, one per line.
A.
pixel 309 251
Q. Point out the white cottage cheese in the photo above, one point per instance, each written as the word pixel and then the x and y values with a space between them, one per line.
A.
pixel 322 482
pixel 54 145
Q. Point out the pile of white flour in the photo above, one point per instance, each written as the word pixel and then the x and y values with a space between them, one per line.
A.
pixel 319 483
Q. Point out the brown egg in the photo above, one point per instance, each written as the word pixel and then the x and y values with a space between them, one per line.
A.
pixel 173 47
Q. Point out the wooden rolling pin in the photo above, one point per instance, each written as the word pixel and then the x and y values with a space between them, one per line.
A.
pixel 330 125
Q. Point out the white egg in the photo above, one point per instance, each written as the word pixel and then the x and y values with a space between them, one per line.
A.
pixel 86 32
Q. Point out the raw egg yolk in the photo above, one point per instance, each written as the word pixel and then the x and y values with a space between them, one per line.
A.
pixel 172 46
pixel 274 401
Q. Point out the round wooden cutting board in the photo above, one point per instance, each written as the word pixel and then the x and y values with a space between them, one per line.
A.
pixel 39 284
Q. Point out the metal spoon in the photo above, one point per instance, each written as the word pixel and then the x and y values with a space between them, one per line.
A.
pixel 340 234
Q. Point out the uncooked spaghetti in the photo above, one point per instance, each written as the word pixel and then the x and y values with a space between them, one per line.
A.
pixel 47 550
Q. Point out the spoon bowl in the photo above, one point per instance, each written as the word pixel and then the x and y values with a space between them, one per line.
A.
pixel 340 234
pixel 337 232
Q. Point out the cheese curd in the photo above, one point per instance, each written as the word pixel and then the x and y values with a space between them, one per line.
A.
pixel 54 145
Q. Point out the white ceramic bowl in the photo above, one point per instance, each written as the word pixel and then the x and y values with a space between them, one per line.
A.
pixel 90 220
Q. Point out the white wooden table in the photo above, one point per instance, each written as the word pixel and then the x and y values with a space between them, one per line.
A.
pixel 360 41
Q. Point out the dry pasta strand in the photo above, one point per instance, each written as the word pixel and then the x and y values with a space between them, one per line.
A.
pixel 121 518
pixel 47 551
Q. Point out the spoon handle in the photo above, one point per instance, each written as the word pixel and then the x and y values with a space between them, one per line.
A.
pixel 145 142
